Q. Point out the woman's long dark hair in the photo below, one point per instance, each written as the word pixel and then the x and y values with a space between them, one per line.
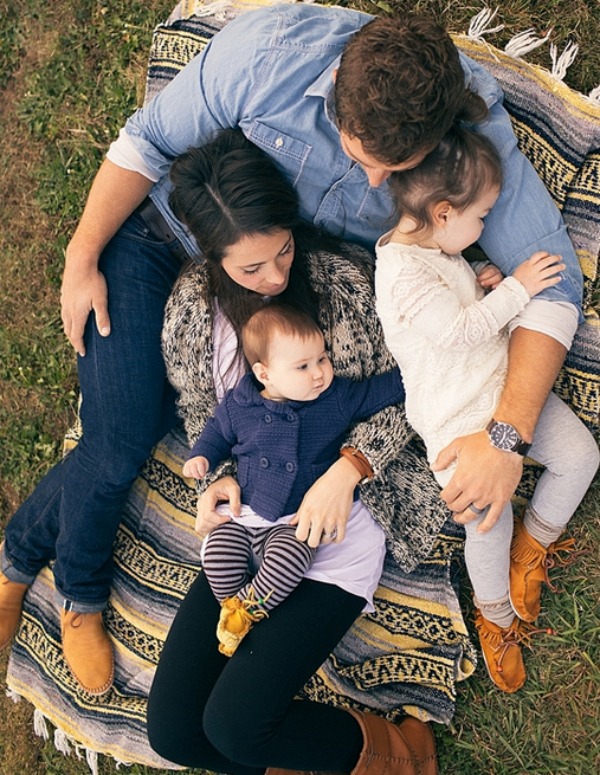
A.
pixel 228 189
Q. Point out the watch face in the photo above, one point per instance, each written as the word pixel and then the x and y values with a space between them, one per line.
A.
pixel 504 436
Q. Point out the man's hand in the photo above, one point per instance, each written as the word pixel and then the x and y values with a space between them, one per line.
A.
pixel 484 476
pixel 114 195
pixel 82 292
pixel 224 489
pixel 325 509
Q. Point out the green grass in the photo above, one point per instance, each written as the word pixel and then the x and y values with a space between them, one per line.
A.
pixel 70 74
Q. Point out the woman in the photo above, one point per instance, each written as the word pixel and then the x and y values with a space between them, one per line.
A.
pixel 238 715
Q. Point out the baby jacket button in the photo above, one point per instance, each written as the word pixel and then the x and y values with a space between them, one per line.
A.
pixel 268 418
pixel 291 417
pixel 289 467
pixel 263 463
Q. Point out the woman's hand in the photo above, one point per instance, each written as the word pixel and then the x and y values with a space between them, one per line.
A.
pixel 207 518
pixel 484 476
pixel 325 509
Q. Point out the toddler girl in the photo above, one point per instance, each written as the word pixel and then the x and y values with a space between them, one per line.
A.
pixel 450 340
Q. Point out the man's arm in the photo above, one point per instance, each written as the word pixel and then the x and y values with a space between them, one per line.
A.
pixel 485 475
pixel 114 195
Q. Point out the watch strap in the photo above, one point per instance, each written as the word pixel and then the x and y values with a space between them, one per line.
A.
pixel 359 461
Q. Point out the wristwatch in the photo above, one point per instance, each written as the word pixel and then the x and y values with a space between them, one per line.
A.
pixel 505 437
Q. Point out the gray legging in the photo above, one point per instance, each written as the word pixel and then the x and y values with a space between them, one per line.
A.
pixel 563 444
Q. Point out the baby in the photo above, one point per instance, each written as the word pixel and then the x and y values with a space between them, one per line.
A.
pixel 284 423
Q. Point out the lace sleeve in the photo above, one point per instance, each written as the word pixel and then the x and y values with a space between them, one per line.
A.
pixel 423 301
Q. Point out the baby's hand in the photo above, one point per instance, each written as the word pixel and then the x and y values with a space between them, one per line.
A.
pixel 539 272
pixel 196 467
pixel 490 277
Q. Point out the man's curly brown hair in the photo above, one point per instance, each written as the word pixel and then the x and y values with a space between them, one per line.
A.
pixel 400 86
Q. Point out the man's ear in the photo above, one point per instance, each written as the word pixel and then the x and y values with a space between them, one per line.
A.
pixel 440 214
pixel 261 372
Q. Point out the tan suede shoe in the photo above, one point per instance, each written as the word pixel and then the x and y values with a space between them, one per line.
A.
pixel 529 566
pixel 501 648
pixel 87 650
pixel 11 605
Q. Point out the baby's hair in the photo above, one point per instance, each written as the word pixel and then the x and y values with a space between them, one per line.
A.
pixel 272 319
pixel 460 170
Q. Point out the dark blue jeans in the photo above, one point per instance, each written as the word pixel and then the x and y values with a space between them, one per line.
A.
pixel 127 407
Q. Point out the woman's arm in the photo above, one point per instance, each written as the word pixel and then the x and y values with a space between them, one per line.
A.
pixel 187 343
pixel 357 350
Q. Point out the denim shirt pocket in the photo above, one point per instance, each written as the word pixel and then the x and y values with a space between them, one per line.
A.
pixel 289 152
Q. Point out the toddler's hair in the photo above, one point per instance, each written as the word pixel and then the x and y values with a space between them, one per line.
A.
pixel 460 170
pixel 275 318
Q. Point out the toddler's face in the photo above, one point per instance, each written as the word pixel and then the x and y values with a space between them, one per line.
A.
pixel 464 228
pixel 298 369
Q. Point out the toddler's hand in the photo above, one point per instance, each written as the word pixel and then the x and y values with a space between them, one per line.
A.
pixel 196 467
pixel 539 272
pixel 490 277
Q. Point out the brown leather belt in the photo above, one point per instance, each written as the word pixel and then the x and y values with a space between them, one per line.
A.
pixel 160 229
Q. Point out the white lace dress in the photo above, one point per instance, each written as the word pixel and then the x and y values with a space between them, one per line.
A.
pixel 448 337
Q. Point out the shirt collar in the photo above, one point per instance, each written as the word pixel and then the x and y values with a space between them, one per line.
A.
pixel 323 87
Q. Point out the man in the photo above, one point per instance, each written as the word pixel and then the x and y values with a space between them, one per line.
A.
pixel 339 103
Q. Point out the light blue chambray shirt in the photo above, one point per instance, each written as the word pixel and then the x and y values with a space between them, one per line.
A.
pixel 270 72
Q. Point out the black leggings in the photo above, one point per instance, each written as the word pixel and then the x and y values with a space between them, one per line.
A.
pixel 237 714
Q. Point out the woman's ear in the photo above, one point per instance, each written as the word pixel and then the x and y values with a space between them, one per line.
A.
pixel 440 214
pixel 261 372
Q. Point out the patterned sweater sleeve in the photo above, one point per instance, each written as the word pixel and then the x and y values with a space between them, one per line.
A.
pixel 425 303
pixel 187 344
pixel 403 496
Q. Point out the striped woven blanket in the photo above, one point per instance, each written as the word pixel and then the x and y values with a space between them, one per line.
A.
pixel 407 656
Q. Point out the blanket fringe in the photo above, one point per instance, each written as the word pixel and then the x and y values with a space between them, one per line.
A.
pixel 13 695
pixel 595 95
pixel 560 64
pixel 480 25
pixel 39 724
pixel 524 43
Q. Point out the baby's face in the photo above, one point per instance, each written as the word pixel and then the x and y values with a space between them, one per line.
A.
pixel 464 227
pixel 298 369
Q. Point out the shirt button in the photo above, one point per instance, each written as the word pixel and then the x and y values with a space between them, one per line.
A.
pixel 264 463
pixel 268 418
pixel 279 142
pixel 289 467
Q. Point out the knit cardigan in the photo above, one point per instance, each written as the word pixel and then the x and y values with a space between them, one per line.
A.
pixel 402 496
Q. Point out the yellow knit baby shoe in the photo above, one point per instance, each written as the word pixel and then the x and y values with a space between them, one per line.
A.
pixel 236 620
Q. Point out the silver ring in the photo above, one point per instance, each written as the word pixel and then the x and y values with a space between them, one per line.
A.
pixel 476 510
pixel 330 535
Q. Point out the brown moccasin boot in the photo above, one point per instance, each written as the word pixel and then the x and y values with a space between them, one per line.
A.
pixel 502 650
pixel 529 566
pixel 407 748
pixel 87 650
pixel 11 605
pixel 501 647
